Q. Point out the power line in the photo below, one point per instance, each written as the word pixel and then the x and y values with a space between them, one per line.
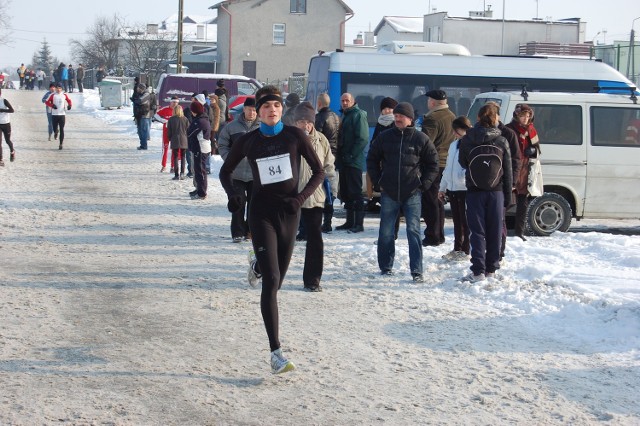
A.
pixel 46 32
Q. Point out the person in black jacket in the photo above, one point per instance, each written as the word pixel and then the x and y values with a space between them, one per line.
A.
pixel 402 162
pixel 486 199
pixel 327 123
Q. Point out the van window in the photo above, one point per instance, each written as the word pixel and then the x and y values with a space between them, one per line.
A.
pixel 614 126
pixel 558 124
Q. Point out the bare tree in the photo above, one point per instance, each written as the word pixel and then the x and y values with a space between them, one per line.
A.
pixel 4 22
pixel 148 51
pixel 101 49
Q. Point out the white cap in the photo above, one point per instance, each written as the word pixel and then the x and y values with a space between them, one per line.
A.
pixel 201 98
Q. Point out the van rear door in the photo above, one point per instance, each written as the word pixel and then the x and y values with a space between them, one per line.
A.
pixel 613 175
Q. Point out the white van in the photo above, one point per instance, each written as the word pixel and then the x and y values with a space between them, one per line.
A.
pixel 590 157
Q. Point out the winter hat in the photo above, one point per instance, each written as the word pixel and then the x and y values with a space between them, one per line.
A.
pixel 196 107
pixel 58 84
pixel 404 108
pixel 305 111
pixel 292 100
pixel 249 102
pixel 438 95
pixel 522 108
pixel 388 103
pixel 142 86
pixel 205 92
pixel 220 83
pixel 220 91
pixel 200 98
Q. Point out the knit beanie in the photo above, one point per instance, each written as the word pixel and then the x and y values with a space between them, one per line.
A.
pixel 292 100
pixel 200 98
pixel 196 107
pixel 304 111
pixel 404 108
pixel 388 103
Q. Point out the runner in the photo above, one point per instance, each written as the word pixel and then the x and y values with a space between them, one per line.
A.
pixel 58 102
pixel 5 127
pixel 274 152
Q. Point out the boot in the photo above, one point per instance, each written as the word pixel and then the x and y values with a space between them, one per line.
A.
pixel 349 223
pixel 326 226
pixel 358 222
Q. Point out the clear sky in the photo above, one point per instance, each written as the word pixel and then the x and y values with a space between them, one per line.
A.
pixel 33 20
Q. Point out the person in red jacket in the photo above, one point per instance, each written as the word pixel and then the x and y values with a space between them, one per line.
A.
pixel 163 115
pixel 59 102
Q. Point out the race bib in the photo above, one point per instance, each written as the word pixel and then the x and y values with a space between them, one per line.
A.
pixel 274 169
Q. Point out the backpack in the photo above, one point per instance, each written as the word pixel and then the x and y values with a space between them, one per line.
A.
pixel 485 166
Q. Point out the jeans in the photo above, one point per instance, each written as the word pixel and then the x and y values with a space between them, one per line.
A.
pixel 50 120
pixel 143 131
pixel 389 211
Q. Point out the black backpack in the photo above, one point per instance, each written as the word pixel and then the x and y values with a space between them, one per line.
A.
pixel 485 166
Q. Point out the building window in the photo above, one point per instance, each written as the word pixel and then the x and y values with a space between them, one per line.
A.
pixel 279 32
pixel 298 6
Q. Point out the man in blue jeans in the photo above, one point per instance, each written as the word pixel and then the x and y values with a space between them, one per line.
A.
pixel 402 163
pixel 146 105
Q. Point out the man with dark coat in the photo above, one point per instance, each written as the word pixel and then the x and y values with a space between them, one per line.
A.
pixel 402 163
pixel 437 125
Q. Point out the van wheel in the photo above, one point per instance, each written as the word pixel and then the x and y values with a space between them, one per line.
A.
pixel 547 214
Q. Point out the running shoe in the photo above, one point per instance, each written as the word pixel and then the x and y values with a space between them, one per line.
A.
pixel 279 364
pixel 252 275
pixel 12 156
pixel 238 239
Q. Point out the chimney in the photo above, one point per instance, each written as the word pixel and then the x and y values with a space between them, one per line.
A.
pixel 358 40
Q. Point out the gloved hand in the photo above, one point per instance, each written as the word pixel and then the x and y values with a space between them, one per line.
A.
pixel 291 205
pixel 54 106
pixel 68 107
pixel 531 152
pixel 235 203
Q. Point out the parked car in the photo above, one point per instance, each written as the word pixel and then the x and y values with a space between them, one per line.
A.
pixel 184 85
pixel 590 145
pixel 236 103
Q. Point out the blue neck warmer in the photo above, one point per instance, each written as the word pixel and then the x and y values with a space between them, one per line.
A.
pixel 271 130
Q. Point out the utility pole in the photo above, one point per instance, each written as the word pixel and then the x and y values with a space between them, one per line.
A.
pixel 502 48
pixel 180 16
pixel 632 49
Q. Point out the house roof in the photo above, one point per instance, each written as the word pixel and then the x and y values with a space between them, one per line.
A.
pixel 402 24
pixel 168 29
pixel 346 8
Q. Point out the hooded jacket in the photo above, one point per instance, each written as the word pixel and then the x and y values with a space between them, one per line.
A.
pixel 328 123
pixel 402 162
pixel 479 135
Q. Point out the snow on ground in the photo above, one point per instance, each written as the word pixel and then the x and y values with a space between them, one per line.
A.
pixel 124 302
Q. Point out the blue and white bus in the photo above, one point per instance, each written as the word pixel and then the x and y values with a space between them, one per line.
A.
pixel 369 77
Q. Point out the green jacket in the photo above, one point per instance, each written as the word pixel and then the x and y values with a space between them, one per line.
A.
pixel 437 125
pixel 353 138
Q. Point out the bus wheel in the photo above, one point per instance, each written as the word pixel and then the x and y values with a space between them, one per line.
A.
pixel 547 214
